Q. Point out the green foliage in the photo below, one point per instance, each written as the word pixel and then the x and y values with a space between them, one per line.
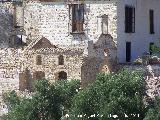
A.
pixel 48 102
pixel 118 94
pixel 155 49
pixel 11 99
pixel 112 94
pixel 154 112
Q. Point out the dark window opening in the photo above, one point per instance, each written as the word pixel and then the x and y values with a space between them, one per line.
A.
pixel 151 17
pixel 151 48
pixel 62 75
pixel 129 19
pixel 77 18
pixel 128 51
pixel 61 60
pixel 38 60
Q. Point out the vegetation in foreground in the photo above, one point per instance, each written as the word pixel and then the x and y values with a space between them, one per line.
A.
pixel 48 102
pixel 110 97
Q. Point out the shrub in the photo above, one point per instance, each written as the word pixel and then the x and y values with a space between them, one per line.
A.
pixel 48 102
pixel 112 95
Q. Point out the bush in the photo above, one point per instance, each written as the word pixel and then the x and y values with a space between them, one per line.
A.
pixel 111 96
pixel 48 102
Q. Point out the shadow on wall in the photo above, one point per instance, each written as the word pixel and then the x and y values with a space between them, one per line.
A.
pixel 6 27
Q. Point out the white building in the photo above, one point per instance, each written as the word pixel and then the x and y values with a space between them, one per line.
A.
pixel 143 29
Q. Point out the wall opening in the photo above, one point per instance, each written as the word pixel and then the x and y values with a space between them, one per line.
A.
pixel 129 19
pixel 128 51
pixel 38 60
pixel 77 17
pixel 151 45
pixel 61 60
pixel 62 75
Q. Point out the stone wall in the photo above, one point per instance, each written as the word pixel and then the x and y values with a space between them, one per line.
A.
pixel 82 60
pixel 72 63
pixel 51 20
pixel 89 70
pixel 18 68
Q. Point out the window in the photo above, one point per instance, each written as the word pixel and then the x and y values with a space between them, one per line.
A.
pixel 129 19
pixel 61 60
pixel 151 18
pixel 38 60
pixel 128 51
pixel 77 17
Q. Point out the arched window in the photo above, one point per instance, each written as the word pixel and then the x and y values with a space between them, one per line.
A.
pixel 38 60
pixel 61 60
pixel 62 75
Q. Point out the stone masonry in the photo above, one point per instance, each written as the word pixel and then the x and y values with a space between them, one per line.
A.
pixel 45 31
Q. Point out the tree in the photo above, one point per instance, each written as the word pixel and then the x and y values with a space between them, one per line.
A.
pixel 48 102
pixel 111 96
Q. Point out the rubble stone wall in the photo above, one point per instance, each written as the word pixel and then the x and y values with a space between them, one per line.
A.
pixel 13 63
pixel 152 73
pixel 72 64
pixel 51 20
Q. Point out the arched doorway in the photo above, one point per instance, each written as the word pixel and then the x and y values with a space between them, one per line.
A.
pixel 62 75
